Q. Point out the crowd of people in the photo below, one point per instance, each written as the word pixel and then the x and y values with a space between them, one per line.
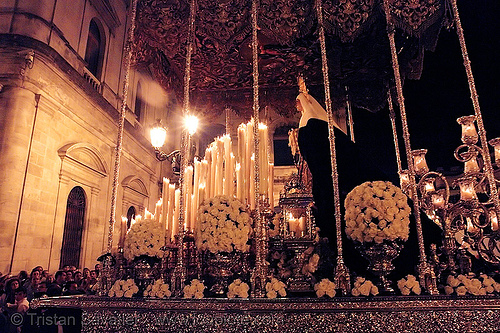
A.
pixel 17 291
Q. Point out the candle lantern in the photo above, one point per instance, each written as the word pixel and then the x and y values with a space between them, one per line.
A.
pixel 469 133
pixel 470 165
pixel 438 200
pixel 467 190
pixel 493 219
pixel 419 161
pixel 495 143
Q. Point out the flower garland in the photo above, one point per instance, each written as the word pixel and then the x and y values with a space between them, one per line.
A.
pixel 159 289
pixel 145 237
pixel 275 288
pixel 224 225
pixel 364 287
pixel 408 285
pixel 123 288
pixel 194 290
pixel 377 211
pixel 238 289
pixel 325 288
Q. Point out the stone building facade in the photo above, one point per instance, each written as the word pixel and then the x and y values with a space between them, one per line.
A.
pixel 61 79
pixel 61 82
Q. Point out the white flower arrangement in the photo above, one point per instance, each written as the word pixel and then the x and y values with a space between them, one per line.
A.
pixel 159 289
pixel 377 211
pixel 144 237
pixel 325 287
pixel 194 290
pixel 462 285
pixel 224 225
pixel 238 288
pixel 312 265
pixel 275 288
pixel 408 285
pixel 123 288
pixel 364 287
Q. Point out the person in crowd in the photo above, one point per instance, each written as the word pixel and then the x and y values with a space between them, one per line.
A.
pixel 77 277
pixel 31 285
pixel 69 275
pixel 72 289
pixel 23 276
pixel 10 294
pixel 57 287
pixel 60 278
pixel 42 290
pixel 20 306
pixel 85 282
pixel 45 274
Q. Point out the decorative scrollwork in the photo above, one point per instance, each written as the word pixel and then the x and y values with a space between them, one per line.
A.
pixel 347 18
pixel 285 21
pixel 414 16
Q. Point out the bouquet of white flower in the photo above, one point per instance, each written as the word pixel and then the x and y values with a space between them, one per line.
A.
pixel 274 288
pixel 145 237
pixel 194 290
pixel 325 287
pixel 123 288
pixel 158 289
pixel 377 211
pixel 364 287
pixel 238 289
pixel 224 225
pixel 408 285
pixel 461 285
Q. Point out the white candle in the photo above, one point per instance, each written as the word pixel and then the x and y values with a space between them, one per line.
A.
pixel 171 208
pixel 232 162
pixel 302 223
pixel 165 203
pixel 241 146
pixel 252 183
pixel 188 182
pixel 270 192
pixel 209 159
pixel 158 210
pixel 250 170
pixel 195 203
pixel 239 185
pixel 263 160
pixel 293 224
pixel 220 167
pixel 226 140
pixel 202 193
pixel 123 231
pixel 175 229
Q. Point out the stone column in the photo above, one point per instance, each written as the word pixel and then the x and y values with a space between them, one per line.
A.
pixel 17 118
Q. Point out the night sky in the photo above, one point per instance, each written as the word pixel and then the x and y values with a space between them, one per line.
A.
pixel 434 102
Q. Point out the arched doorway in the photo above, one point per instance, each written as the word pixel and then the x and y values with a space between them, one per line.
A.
pixel 73 227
